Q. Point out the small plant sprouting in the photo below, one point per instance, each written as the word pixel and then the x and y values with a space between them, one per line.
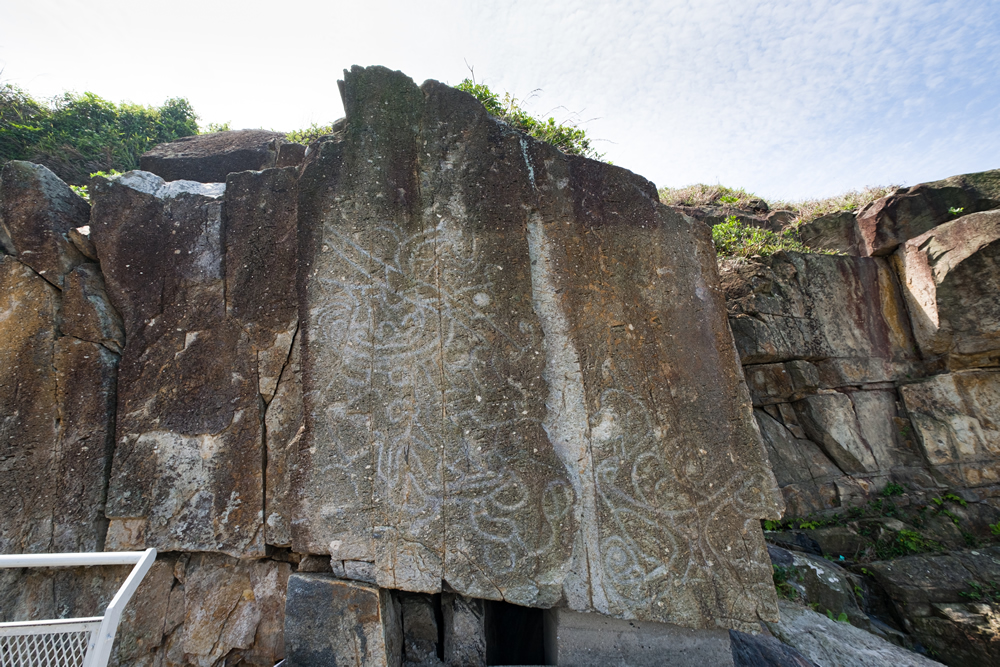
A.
pixel 956 211
pixel 842 618
pixel 771 525
pixel 995 528
pixel 988 592
pixel 733 238
pixel 892 489
pixel 780 575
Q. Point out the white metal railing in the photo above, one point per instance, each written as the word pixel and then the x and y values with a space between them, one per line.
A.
pixel 70 642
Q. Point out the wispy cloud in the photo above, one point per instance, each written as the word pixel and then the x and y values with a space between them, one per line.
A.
pixel 790 99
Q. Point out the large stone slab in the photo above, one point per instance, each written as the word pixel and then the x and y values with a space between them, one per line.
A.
pixel 955 420
pixel 844 314
pixel 827 642
pixel 187 473
pixel 333 622
pixel 210 158
pixel 517 374
pixel 86 312
pixel 951 279
pixel 37 212
pixel 908 213
pixel 592 640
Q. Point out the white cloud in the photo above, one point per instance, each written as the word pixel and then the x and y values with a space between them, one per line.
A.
pixel 789 99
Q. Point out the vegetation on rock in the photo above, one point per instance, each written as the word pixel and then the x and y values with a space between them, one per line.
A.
pixel 568 138
pixel 75 135
pixel 733 238
pixel 805 210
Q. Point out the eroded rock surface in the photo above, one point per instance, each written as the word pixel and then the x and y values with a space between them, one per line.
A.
pixel 510 359
pixel 951 279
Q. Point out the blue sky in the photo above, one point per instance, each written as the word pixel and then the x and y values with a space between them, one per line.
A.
pixel 788 99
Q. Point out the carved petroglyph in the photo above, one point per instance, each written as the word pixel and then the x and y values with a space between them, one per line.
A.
pixel 518 380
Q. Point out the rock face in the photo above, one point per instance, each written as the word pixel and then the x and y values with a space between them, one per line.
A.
pixel 209 322
pixel 955 421
pixel 951 278
pixel 498 390
pixel 442 377
pixel 944 600
pixel 886 223
pixel 210 158
pixel 37 212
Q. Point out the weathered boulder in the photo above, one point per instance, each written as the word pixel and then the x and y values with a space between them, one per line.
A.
pixel 945 602
pixel 210 158
pixel 951 279
pixel 833 231
pixel 831 644
pixel 517 374
pixel 955 420
pixel 843 314
pixel 37 212
pixel 905 214
pixel 333 622
pixel 821 584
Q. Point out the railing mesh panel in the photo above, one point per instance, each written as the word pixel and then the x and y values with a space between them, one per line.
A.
pixel 57 649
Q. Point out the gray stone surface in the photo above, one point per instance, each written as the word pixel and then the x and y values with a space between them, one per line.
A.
pixel 421 631
pixel 832 644
pixel 37 212
pixel 510 357
pixel 592 640
pixel 951 277
pixel 334 622
pixel 955 420
pixel 764 651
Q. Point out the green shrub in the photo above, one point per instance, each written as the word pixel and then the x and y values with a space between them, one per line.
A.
pixel 567 138
pixel 733 238
pixel 75 135
pixel 310 134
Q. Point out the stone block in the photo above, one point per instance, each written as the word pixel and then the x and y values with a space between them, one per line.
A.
pixel 37 212
pixel 210 158
pixel 951 277
pixel 421 631
pixel 334 622
pixel 954 418
pixel 830 421
pixel 464 631
pixel 907 213
pixel 526 347
pixel 593 640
